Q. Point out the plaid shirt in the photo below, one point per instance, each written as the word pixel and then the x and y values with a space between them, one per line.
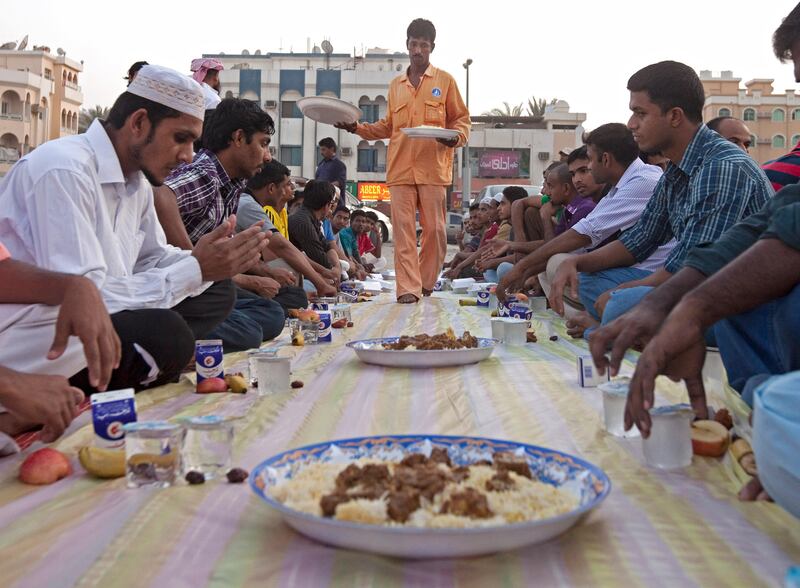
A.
pixel 715 185
pixel 206 195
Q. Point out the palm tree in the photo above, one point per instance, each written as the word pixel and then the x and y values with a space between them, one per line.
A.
pixel 507 110
pixel 537 106
pixel 89 114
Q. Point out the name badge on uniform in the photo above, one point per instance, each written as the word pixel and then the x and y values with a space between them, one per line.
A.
pixel 436 92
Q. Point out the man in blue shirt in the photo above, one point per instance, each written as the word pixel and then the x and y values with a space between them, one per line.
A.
pixel 709 185
pixel 331 168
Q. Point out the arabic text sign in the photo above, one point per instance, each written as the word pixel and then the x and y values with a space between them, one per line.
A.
pixel 499 164
pixel 373 192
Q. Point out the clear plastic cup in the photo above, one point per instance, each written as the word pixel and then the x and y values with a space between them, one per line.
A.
pixel 152 453
pixel 309 330
pixel 669 445
pixel 341 311
pixel 615 395
pixel 207 445
pixel 515 331
pixel 273 374
pixel 498 329
pixel 251 368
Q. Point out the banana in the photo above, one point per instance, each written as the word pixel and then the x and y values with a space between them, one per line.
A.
pixel 103 463
pixel 236 384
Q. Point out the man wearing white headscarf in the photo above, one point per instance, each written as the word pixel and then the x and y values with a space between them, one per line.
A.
pixel 205 71
pixel 84 205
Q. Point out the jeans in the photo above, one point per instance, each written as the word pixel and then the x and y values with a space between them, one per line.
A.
pixel 760 343
pixel 490 275
pixel 503 269
pixel 776 429
pixel 591 286
pixel 253 320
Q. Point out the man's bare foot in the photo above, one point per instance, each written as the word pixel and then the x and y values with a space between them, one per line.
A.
pixel 426 292
pixel 753 490
pixel 407 299
pixel 578 324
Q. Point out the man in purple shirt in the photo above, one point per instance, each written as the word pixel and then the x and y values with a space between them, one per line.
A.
pixel 331 168
pixel 562 192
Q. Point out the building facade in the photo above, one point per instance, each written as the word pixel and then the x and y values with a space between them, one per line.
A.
pixel 773 119
pixel 40 99
pixel 278 80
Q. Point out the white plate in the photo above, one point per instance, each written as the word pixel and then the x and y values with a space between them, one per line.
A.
pixel 588 483
pixel 328 110
pixel 372 351
pixel 430 133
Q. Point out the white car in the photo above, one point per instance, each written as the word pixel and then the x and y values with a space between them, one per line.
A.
pixel 495 189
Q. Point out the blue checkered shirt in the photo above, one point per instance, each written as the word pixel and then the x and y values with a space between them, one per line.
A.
pixel 206 194
pixel 715 185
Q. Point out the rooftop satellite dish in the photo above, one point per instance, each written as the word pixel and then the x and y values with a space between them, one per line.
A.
pixel 258 52
pixel 245 52
pixel 60 51
pixel 9 45
pixel 327 47
pixel 23 43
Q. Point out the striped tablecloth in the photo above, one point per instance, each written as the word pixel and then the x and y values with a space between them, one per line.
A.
pixel 656 528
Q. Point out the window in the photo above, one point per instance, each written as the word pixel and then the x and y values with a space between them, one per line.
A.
pixel 796 114
pixel 778 115
pixel 369 113
pixel 795 139
pixel 291 155
pixel 48 74
pixel 749 114
pixel 367 159
pixel 753 141
pixel 289 110
pixel 779 141
pixel 724 112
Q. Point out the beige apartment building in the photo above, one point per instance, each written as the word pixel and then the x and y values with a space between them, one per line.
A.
pixel 773 119
pixel 40 99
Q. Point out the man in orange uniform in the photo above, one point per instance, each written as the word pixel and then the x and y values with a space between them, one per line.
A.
pixel 418 170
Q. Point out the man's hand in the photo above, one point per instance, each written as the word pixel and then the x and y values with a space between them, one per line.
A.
pixel 678 351
pixel 635 328
pixel 497 247
pixel 84 315
pixel 263 286
pixel 349 127
pixel 324 289
pixel 566 277
pixel 452 273
pixel 46 400
pixel 448 142
pixel 222 255
pixel 602 300
pixel 283 276
pixel 511 282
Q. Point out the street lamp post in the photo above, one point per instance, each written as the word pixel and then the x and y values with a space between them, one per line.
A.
pixel 466 184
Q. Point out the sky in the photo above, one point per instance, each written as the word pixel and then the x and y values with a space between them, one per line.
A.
pixel 580 51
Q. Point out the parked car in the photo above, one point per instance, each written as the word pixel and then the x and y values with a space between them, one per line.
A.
pixel 384 222
pixel 495 189
pixel 454 221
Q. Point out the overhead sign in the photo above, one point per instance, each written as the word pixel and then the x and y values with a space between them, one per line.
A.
pixel 499 164
pixel 374 192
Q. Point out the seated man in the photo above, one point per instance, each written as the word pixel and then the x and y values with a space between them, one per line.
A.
pixel 198 196
pixel 373 257
pixel 305 225
pixel 348 238
pixel 84 205
pixel 746 287
pixel 733 130
pixel 612 160
pixel 526 218
pixel 265 201
pixel 713 185
pixel 29 399
pixel 488 263
pixel 473 227
pixel 487 211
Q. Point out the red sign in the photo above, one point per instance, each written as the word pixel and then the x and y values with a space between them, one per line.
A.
pixel 373 192
pixel 499 164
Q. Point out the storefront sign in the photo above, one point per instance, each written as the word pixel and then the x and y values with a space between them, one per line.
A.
pixel 373 192
pixel 499 164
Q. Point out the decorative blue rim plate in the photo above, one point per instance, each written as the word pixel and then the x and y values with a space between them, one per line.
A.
pixel 587 482
pixel 371 351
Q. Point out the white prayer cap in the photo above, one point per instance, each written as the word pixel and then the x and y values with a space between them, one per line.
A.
pixel 486 200
pixel 498 197
pixel 170 88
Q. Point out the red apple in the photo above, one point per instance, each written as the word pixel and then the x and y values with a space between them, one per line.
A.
pixel 44 466
pixel 709 438
pixel 212 385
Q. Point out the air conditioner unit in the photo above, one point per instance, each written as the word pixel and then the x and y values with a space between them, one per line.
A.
pixel 271 104
pixel 544 155
pixel 273 150
pixel 347 151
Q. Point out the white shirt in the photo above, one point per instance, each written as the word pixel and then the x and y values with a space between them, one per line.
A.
pixel 67 207
pixel 211 97
pixel 621 208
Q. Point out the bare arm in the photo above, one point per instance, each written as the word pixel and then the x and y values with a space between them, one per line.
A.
pixel 169 217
